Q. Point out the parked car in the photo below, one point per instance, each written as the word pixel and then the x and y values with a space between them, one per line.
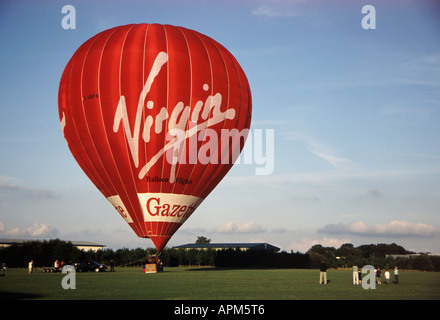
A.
pixel 85 266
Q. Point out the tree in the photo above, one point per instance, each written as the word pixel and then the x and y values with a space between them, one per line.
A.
pixel 203 240
pixel 423 262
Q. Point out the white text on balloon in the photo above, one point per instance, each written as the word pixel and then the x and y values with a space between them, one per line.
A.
pixel 201 111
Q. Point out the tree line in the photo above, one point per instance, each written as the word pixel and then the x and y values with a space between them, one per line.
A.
pixel 377 255
pixel 44 253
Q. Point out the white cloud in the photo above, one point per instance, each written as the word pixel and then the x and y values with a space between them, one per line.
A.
pixel 246 227
pixel 37 230
pixel 333 160
pixel 395 228
pixel 8 187
pixel 41 230
pixel 305 243
pixel 279 8
pixel 319 149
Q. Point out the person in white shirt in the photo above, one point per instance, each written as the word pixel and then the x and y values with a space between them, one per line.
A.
pixel 387 276
pixel 31 266
pixel 355 275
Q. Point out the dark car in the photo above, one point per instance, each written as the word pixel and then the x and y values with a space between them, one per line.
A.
pixel 85 266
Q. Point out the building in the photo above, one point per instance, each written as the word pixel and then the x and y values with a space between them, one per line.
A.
pixel 225 246
pixel 88 245
pixel 411 255
pixel 82 245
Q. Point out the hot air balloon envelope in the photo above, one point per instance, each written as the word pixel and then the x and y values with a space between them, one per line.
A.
pixel 155 115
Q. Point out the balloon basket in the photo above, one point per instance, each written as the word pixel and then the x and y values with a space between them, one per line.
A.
pixel 152 268
pixel 153 264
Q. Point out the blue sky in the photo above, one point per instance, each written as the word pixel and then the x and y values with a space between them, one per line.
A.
pixel 354 114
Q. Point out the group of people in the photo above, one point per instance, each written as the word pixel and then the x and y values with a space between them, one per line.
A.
pixel 57 265
pixel 357 275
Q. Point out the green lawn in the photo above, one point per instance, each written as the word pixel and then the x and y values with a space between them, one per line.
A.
pixel 213 284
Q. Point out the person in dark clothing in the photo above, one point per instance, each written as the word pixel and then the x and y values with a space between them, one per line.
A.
pixel 323 273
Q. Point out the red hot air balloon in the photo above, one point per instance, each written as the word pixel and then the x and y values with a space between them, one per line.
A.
pixel 155 115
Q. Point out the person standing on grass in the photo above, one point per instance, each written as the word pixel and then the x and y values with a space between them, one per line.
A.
pixel 323 273
pixel 31 266
pixel 56 265
pixel 355 274
pixel 396 275
pixel 378 275
pixel 387 276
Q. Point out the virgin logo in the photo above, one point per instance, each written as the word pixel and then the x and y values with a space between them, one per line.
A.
pixel 200 118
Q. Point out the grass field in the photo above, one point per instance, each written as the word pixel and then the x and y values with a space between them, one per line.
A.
pixel 213 284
